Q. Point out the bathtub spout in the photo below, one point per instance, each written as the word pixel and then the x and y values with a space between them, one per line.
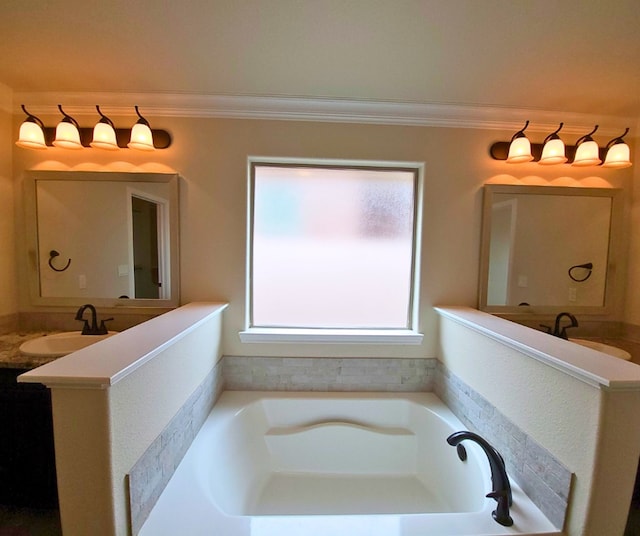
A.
pixel 501 488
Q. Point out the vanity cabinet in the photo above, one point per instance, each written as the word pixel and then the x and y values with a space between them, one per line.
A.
pixel 27 462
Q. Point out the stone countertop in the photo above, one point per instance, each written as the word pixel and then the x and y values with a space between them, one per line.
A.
pixel 10 356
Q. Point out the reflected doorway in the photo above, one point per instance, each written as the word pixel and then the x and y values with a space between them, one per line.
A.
pixel 146 268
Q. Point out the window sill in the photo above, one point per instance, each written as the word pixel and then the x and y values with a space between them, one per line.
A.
pixel 347 336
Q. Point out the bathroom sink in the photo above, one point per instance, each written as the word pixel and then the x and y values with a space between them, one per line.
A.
pixel 60 344
pixel 605 348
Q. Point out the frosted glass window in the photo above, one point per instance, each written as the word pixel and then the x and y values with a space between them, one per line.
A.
pixel 332 247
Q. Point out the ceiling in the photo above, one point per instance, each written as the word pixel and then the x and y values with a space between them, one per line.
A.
pixel 579 56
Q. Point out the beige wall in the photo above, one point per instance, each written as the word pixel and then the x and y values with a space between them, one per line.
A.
pixel 211 156
pixel 632 309
pixel 8 277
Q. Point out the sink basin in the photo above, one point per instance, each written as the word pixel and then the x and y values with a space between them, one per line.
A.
pixel 605 348
pixel 60 344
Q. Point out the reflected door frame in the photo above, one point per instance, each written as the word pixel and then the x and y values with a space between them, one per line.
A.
pixel 163 240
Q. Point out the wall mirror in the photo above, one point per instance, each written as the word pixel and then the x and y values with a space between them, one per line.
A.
pixel 106 238
pixel 548 249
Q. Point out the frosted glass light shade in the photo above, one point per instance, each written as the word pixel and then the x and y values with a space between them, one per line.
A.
pixel 141 138
pixel 617 156
pixel 104 137
pixel 67 136
pixel 519 151
pixel 553 153
pixel 31 136
pixel 587 154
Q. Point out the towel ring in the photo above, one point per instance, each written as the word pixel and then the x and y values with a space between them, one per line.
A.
pixel 52 255
pixel 587 266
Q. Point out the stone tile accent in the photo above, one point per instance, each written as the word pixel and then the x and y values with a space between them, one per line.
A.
pixel 328 374
pixel 151 473
pixel 541 476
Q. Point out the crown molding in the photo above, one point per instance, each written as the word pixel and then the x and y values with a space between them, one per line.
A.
pixel 318 109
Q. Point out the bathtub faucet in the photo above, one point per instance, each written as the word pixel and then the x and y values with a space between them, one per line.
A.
pixel 501 488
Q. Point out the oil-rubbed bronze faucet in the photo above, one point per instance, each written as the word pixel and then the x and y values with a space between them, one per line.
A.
pixel 501 487
pixel 562 333
pixel 93 329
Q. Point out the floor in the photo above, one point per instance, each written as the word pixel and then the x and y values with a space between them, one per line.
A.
pixel 16 521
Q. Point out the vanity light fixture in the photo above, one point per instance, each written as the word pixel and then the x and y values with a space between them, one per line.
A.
pixel 141 136
pixel 520 147
pixel 31 134
pixel 587 151
pixel 67 132
pixel 104 133
pixel 553 150
pixel 617 153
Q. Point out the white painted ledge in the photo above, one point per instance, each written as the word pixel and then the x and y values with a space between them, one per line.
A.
pixel 347 336
pixel 106 362
pixel 590 366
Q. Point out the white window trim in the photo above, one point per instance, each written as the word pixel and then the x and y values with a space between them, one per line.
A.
pixel 347 336
pixel 409 336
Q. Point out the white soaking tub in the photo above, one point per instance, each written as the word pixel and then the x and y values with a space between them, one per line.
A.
pixel 343 464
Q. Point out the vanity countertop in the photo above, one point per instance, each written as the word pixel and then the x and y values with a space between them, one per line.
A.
pixel 10 356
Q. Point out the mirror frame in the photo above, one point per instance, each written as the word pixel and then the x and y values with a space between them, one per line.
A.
pixel 613 285
pixel 31 226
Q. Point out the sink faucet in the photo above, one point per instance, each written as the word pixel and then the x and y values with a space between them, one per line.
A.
pixel 501 487
pixel 562 333
pixel 93 329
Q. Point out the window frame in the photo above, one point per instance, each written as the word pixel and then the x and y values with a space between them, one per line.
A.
pixel 409 335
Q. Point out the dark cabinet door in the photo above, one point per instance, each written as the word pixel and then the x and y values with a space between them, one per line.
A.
pixel 27 462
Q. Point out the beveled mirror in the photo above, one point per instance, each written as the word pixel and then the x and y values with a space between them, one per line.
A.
pixel 106 238
pixel 548 249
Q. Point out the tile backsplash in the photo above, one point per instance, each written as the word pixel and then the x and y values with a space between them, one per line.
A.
pixel 328 374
